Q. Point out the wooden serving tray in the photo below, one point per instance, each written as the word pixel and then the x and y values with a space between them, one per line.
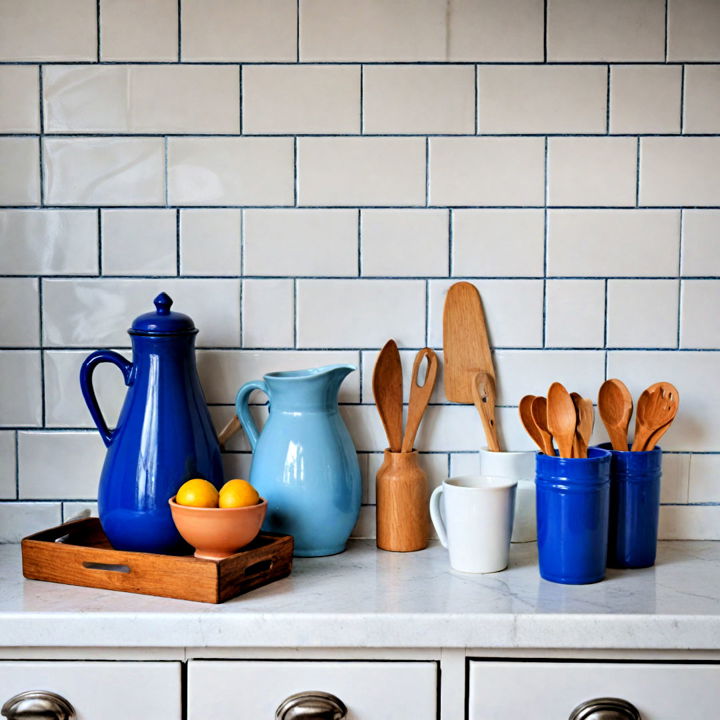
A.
pixel 78 553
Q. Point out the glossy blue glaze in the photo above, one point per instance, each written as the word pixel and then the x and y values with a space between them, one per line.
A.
pixel 573 500
pixel 163 436
pixel 304 462
pixel 634 507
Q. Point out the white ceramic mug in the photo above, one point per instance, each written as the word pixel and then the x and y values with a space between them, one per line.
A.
pixel 473 517
pixel 520 466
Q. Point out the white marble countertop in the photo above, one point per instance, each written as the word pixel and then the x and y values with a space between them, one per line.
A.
pixel 369 598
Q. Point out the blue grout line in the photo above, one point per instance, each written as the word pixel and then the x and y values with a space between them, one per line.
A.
pixel 666 30
pixel 179 27
pixel 100 242
pixel 17 465
pixel 607 102
pixel 637 174
pixel 98 30
pixel 178 249
pixel 682 100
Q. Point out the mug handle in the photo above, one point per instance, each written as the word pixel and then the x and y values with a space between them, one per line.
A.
pixel 243 410
pixel 436 515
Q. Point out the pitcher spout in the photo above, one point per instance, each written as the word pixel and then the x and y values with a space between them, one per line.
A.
pixel 303 388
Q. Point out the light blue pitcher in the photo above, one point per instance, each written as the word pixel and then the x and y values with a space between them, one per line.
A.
pixel 304 461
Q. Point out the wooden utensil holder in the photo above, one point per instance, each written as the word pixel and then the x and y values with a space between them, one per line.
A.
pixel 402 515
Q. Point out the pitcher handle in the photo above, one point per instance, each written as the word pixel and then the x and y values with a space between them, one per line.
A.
pixel 436 515
pixel 243 410
pixel 88 391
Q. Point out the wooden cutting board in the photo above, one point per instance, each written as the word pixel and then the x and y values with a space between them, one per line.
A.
pixel 465 342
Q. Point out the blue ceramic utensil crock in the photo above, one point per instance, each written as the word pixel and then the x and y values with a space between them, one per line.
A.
pixel 304 462
pixel 163 436
pixel 573 500
pixel 634 507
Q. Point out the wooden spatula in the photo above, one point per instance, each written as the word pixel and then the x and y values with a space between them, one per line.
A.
pixel 465 341
pixel 419 395
pixel 387 390
pixel 484 398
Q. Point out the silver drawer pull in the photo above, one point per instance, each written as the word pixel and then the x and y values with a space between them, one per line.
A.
pixel 605 709
pixel 38 705
pixel 311 706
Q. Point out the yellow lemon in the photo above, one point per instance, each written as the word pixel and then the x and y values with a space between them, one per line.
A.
pixel 238 493
pixel 198 493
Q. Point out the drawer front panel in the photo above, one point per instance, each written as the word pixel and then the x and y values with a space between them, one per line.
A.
pixel 101 690
pixel 550 691
pixel 253 690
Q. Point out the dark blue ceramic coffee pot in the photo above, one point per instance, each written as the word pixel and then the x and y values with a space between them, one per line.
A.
pixel 163 436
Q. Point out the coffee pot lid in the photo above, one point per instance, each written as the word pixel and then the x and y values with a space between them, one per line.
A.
pixel 163 321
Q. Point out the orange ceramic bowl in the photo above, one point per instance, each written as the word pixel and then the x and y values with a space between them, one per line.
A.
pixel 217 533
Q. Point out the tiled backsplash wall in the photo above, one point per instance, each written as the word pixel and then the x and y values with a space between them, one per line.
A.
pixel 307 178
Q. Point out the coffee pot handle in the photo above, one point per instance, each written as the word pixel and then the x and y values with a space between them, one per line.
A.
pixel 243 409
pixel 88 391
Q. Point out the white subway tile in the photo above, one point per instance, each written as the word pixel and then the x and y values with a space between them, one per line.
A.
pixel 104 171
pixel 361 171
pixel 464 464
pixel 223 372
pixel 592 171
pixel 64 402
pixel 20 519
pixel 210 242
pixel 372 30
pixel 8 491
pixel 679 522
pixel 365 527
pixel 19 171
pixel 142 99
pixel 704 479
pixel 693 30
pixel 679 171
pixel 575 313
pixel 594 243
pixel 307 99
pixel 700 314
pixel 419 99
pixel 542 99
pixel 702 99
pixel 19 312
pixel 642 313
pixel 451 428
pixel 237 465
pixel 48 242
pixel 495 30
pixel 407 358
pixel 139 30
pixel 354 313
pixel 645 98
pixel 675 478
pixel 239 30
pixel 268 313
pixel 19 99
pixel 230 171
pixel 49 467
pixel 610 30
pixel 139 242
pixel 78 510
pixel 701 230
pixel 498 242
pixel 531 372
pixel 21 389
pixel 51 31
pixel 97 313
pixel 487 171
pixel 694 374
pixel 366 430
pixel 405 242
pixel 513 311
pixel 301 242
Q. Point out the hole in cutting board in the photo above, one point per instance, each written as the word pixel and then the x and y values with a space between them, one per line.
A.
pixel 106 566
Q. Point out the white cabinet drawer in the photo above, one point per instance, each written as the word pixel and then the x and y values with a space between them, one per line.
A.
pixel 550 691
pixel 102 690
pixel 253 690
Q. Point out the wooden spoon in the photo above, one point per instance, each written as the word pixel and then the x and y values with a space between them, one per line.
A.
pixel 656 408
pixel 585 424
pixel 387 390
pixel 419 395
pixel 526 418
pixel 615 405
pixel 561 418
pixel 539 414
pixel 483 388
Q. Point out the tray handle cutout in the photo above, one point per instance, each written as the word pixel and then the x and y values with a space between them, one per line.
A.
pixel 259 567
pixel 106 566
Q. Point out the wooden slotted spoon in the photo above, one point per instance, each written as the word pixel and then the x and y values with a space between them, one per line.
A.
pixel 419 395
pixel 387 389
pixel 561 418
pixel 483 388
pixel 615 405
pixel 656 409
